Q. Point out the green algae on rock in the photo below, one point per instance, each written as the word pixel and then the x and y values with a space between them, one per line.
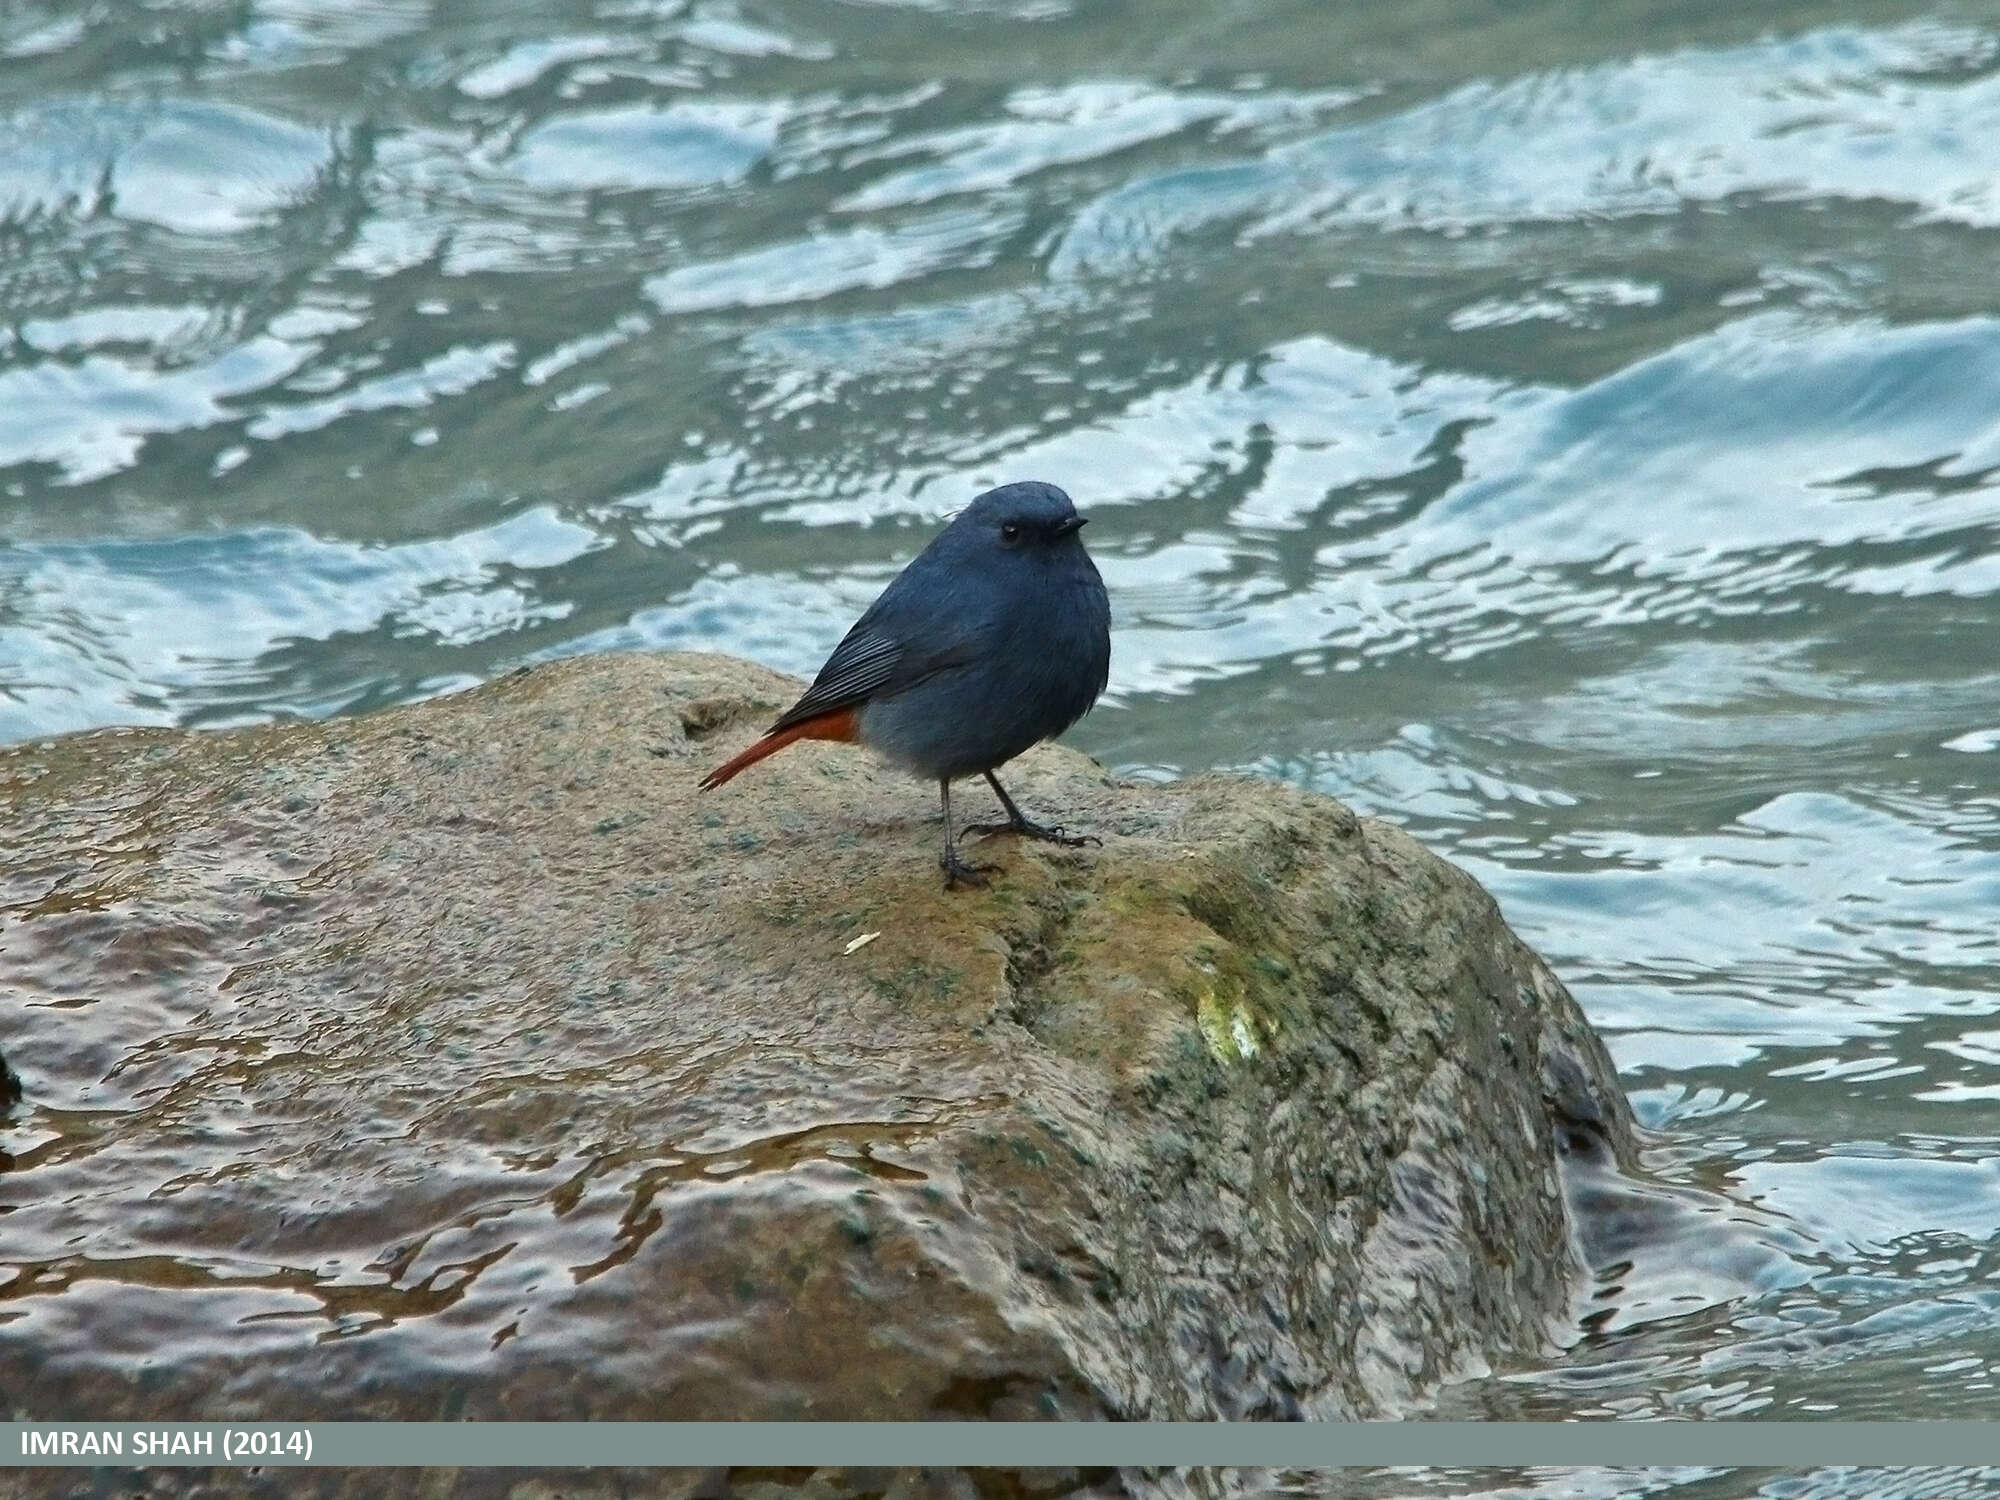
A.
pixel 462 1061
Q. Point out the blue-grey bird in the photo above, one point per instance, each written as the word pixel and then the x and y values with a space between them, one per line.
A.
pixel 996 637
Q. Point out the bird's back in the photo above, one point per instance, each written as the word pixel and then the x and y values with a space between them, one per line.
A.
pixel 1026 643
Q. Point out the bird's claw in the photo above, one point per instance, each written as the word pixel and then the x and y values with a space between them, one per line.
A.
pixel 1029 829
pixel 957 872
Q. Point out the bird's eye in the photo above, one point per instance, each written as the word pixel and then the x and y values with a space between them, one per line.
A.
pixel 1011 532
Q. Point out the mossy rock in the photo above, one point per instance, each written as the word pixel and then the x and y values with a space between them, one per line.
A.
pixel 463 1060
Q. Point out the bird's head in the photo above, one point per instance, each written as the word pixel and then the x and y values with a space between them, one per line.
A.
pixel 1028 517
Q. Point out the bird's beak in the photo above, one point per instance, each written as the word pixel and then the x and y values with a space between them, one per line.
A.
pixel 1073 525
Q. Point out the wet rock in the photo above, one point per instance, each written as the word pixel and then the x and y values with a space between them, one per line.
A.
pixel 462 1061
pixel 609 1483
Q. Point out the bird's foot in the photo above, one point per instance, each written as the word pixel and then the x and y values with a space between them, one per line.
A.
pixel 1028 828
pixel 957 872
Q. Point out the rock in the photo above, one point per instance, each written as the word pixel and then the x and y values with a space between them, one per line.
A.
pixel 461 1061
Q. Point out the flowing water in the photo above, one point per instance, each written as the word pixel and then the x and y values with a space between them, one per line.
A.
pixel 1571 431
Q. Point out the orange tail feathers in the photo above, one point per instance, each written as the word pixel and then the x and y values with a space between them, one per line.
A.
pixel 841 724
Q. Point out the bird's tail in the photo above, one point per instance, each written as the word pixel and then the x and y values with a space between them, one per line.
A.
pixel 841 724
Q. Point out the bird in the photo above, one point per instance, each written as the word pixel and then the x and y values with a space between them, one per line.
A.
pixel 995 637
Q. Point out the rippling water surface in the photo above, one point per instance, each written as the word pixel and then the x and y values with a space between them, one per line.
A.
pixel 1572 431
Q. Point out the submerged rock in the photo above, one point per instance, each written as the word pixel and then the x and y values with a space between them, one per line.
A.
pixel 463 1061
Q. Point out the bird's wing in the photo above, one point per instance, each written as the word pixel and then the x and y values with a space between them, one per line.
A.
pixel 872 662
pixel 925 622
pixel 863 661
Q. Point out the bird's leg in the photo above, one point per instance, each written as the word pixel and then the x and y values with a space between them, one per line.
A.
pixel 956 871
pixel 1026 827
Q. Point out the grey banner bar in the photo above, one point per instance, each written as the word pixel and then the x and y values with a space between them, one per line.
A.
pixel 981 1444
